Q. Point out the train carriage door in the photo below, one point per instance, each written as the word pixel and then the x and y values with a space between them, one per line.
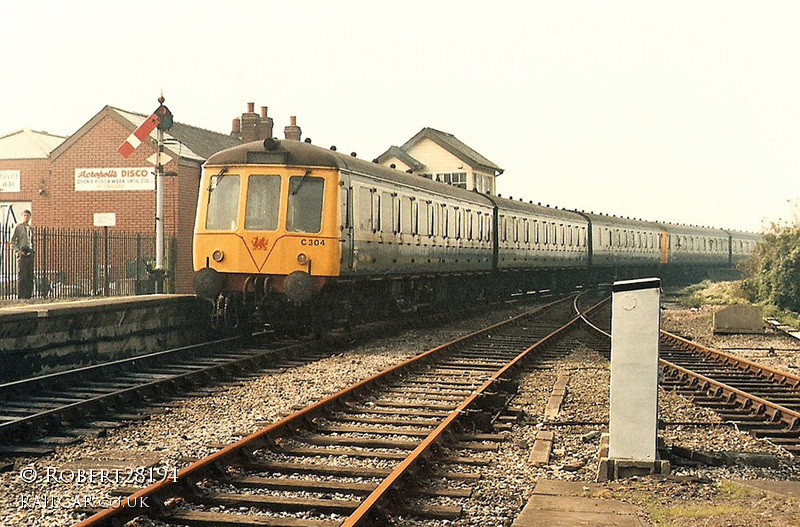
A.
pixel 346 219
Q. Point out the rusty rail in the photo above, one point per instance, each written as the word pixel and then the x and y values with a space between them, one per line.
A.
pixel 159 492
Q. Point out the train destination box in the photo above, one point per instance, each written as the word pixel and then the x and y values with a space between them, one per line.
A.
pixel 739 319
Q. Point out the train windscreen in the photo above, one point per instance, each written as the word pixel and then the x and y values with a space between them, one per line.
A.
pixel 263 203
pixel 304 213
pixel 223 203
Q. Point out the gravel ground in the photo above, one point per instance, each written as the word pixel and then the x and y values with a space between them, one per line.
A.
pixel 189 427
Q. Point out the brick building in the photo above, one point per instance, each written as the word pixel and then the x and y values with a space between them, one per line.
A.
pixel 84 175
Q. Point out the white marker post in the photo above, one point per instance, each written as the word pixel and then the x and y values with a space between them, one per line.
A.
pixel 633 425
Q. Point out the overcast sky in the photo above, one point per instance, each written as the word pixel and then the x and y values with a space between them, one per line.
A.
pixel 683 111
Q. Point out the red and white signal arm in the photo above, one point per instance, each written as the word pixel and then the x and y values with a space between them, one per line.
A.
pixel 140 134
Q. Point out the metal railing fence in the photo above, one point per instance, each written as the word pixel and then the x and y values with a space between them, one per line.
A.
pixel 73 263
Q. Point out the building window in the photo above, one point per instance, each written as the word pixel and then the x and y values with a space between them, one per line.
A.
pixel 457 179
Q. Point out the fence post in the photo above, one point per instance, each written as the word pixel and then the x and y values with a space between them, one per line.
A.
pixel 45 279
pixel 105 261
pixel 95 263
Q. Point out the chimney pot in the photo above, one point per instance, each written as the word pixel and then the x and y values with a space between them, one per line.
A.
pixel 292 132
pixel 263 112
pixel 236 126
pixel 251 107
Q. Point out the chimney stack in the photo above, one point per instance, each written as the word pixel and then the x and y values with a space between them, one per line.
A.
pixel 249 124
pixel 292 132
pixel 236 129
pixel 264 125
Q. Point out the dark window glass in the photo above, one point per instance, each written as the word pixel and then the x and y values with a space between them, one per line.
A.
pixel 305 204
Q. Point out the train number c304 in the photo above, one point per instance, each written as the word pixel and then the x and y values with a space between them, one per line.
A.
pixel 312 241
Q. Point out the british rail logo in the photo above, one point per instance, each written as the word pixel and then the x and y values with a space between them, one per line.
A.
pixel 259 243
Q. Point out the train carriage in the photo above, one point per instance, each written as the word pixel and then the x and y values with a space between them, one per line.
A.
pixel 289 230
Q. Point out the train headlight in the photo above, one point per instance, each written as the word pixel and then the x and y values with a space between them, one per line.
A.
pixel 302 259
pixel 218 255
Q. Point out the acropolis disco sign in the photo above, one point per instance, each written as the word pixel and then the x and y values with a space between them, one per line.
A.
pixel 100 179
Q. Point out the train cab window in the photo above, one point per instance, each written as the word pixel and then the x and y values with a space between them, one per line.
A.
pixel 223 203
pixel 304 213
pixel 263 203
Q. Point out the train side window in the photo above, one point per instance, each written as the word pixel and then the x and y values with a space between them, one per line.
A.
pixel 536 232
pixel 423 218
pixel 376 212
pixel 304 212
pixel 413 216
pixel 223 203
pixel 406 215
pixel 458 215
pixel 263 203
pixel 387 211
pixel 526 231
pixel 364 209
pixel 445 221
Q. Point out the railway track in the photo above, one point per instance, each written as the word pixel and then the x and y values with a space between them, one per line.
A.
pixel 753 397
pixel 42 412
pixel 404 443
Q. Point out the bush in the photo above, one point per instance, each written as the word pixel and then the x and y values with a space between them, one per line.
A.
pixel 773 270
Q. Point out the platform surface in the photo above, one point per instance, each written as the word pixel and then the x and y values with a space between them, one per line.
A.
pixel 567 503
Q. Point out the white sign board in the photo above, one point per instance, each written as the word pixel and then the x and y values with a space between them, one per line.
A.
pixel 105 219
pixel 9 180
pixel 103 179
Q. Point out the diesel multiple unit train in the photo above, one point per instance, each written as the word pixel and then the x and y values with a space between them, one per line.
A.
pixel 286 229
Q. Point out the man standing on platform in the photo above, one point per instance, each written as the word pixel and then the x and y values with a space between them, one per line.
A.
pixel 22 242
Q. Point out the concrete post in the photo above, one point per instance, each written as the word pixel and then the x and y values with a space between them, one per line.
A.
pixel 634 378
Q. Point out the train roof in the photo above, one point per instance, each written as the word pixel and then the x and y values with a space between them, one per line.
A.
pixel 614 221
pixel 288 152
pixel 542 210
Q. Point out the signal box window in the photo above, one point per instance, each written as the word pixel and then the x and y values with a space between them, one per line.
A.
pixel 305 204
pixel 263 203
pixel 223 203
